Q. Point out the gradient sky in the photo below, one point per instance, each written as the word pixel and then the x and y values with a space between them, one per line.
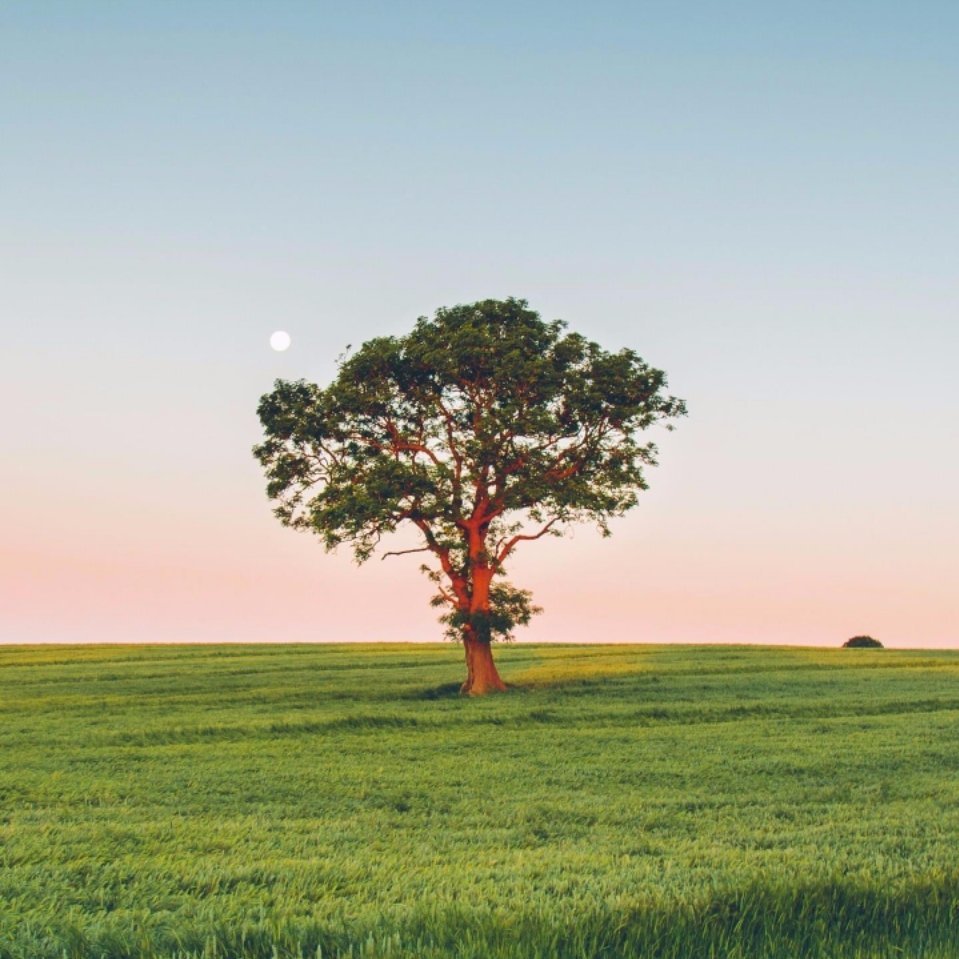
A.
pixel 760 198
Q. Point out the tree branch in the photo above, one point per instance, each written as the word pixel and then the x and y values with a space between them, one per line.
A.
pixel 404 552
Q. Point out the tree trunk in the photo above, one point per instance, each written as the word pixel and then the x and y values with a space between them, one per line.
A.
pixel 481 674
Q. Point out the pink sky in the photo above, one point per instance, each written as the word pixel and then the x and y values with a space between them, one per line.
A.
pixel 121 560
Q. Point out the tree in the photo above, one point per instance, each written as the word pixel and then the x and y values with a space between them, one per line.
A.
pixel 483 428
pixel 862 642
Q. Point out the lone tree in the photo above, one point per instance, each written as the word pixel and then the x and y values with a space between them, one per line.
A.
pixel 862 642
pixel 482 428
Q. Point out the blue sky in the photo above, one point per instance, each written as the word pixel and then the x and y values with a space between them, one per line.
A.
pixel 762 199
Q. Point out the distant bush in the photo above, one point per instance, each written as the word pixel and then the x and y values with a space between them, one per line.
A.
pixel 862 642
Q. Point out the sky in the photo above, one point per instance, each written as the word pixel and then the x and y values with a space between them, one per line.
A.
pixel 761 199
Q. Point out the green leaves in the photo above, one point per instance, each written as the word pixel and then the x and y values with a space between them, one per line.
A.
pixel 483 427
pixel 509 607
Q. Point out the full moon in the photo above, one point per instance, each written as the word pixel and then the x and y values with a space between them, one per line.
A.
pixel 280 341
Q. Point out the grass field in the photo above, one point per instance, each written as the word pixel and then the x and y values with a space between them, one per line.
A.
pixel 681 802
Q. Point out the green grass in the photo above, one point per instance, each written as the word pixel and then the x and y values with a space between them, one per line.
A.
pixel 667 802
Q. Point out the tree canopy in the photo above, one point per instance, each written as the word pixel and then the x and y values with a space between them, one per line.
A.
pixel 483 428
pixel 862 642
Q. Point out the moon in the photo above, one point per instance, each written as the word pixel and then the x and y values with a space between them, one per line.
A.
pixel 280 341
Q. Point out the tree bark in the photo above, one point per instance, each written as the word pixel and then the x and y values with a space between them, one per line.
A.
pixel 481 674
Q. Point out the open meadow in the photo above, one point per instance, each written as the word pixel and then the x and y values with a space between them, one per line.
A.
pixel 620 801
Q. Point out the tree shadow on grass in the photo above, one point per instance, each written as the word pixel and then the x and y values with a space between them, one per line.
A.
pixel 452 690
pixel 444 691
